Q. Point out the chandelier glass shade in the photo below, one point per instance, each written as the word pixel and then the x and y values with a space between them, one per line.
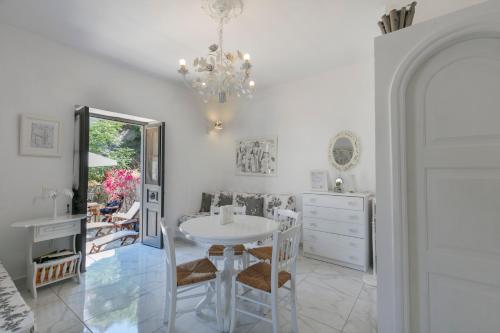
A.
pixel 220 74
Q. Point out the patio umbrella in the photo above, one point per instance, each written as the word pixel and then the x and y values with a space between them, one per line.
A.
pixel 96 160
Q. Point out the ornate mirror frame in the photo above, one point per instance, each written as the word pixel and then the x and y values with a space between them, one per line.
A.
pixel 355 154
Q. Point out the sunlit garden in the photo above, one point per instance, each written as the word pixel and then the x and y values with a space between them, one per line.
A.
pixel 113 184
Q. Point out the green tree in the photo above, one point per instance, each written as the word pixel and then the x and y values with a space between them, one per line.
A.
pixel 125 158
pixel 104 136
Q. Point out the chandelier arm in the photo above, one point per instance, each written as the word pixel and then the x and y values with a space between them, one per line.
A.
pixel 186 82
pixel 221 40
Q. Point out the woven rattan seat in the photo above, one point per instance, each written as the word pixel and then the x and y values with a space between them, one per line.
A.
pixel 259 276
pixel 195 271
pixel 218 250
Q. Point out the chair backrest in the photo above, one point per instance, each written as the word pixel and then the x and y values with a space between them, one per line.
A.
pixel 285 251
pixel 169 245
pixel 133 210
pixel 287 218
pixel 237 210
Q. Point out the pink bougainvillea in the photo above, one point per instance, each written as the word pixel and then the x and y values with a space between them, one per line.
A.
pixel 121 181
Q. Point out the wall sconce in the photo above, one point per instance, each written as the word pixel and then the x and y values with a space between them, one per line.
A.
pixel 218 125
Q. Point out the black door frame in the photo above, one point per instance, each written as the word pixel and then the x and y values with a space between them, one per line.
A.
pixel 80 186
pixel 81 176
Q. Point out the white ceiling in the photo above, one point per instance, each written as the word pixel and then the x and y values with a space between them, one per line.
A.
pixel 287 39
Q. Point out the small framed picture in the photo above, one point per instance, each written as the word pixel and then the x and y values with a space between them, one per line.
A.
pixel 40 136
pixel 319 180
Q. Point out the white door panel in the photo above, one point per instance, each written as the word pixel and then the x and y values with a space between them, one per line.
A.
pixel 462 306
pixel 453 163
pixel 153 184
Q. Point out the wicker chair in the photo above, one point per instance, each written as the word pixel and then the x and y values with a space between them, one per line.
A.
pixel 216 252
pixel 266 279
pixel 184 278
pixel 287 219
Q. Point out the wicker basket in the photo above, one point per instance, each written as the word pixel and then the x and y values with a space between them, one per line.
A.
pixel 56 270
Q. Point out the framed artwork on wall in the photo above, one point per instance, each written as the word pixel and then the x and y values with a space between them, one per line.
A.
pixel 40 136
pixel 256 157
pixel 319 180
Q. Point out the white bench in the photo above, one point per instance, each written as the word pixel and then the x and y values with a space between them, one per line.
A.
pixel 15 315
pixel 123 235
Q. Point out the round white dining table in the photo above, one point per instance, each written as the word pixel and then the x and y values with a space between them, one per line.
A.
pixel 244 229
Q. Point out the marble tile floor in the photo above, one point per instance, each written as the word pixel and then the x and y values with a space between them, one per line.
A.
pixel 122 291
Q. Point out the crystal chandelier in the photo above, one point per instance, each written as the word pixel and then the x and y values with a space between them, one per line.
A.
pixel 220 74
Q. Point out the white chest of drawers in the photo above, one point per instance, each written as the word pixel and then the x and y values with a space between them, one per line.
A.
pixel 336 228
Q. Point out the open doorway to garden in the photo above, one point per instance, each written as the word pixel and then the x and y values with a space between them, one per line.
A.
pixel 114 184
pixel 118 180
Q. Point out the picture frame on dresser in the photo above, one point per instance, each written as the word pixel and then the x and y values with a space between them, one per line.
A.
pixel 319 180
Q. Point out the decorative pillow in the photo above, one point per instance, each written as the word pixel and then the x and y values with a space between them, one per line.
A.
pixel 253 202
pixel 206 202
pixel 280 201
pixel 186 217
pixel 255 206
pixel 222 199
pixel 240 197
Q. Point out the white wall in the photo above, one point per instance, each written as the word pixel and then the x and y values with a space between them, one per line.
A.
pixel 390 51
pixel 41 77
pixel 428 9
pixel 305 115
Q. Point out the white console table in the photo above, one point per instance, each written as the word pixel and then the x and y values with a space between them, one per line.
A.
pixel 43 229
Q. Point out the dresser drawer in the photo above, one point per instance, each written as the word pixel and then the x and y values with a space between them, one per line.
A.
pixel 334 214
pixel 336 227
pixel 56 230
pixel 350 243
pixel 343 202
pixel 326 246
pixel 333 253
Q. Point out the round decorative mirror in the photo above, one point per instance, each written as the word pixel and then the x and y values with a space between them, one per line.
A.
pixel 344 150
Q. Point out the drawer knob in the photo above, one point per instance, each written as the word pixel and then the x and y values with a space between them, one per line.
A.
pixel 313 224
pixel 351 203
pixel 354 231
pixel 352 244
pixel 353 257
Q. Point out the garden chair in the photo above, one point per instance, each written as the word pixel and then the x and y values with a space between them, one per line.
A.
pixel 123 235
pixel 100 227
pixel 126 220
